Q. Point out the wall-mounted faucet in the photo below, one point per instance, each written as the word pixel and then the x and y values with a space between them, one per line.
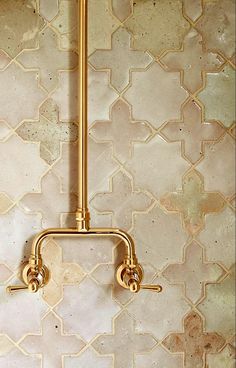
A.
pixel 129 274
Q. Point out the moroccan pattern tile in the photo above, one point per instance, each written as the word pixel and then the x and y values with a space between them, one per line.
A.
pixel 161 166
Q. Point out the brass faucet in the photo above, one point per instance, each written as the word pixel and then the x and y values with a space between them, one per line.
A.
pixel 130 273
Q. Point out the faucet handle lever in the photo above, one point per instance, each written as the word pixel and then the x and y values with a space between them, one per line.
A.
pixel 135 286
pixel 32 287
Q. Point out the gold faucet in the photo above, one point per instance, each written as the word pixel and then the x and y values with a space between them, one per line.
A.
pixel 130 273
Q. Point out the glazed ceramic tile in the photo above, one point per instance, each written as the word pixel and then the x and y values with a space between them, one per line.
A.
pixel 19 26
pixel 4 59
pixel 192 132
pixel 122 201
pixel 208 343
pixel 21 359
pixel 157 159
pixel 193 202
pixel 219 96
pixel 219 306
pixel 194 272
pixel 60 344
pixel 120 59
pixel 5 203
pixel 121 9
pixel 49 131
pixel 48 9
pixel 193 61
pixel 48 51
pixel 14 96
pixel 193 9
pixel 84 300
pixel 89 358
pixel 225 357
pixel 25 308
pixel 124 342
pixel 218 237
pixel 161 104
pixel 217 26
pixel 62 273
pixel 4 131
pixel 158 355
pixel 219 159
pixel 171 29
pixel 101 23
pixel 19 228
pixel 121 120
pixel 51 202
pixel 6 345
pixel 144 310
pixel 154 233
pixel 5 273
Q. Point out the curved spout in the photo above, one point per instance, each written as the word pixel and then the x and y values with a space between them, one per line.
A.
pixel 130 258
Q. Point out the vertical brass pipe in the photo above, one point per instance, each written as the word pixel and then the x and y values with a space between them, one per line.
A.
pixel 82 215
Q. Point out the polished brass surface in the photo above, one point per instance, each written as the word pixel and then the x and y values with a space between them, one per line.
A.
pixel 129 274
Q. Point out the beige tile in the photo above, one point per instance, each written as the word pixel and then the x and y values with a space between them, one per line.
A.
pixel 122 201
pixel 193 9
pixel 170 31
pixel 219 306
pixel 17 86
pixel 22 360
pixel 157 159
pixel 124 343
pixel 217 26
pixel 5 203
pixel 156 95
pixel 4 131
pixel 61 273
pixel 84 300
pixel 89 358
pixel 48 59
pixel 16 307
pixel 193 61
pixel 5 345
pixel 218 237
pixel 121 130
pixel 20 24
pixel 60 344
pixel 151 313
pixel 120 59
pixel 192 132
pixel 219 160
pixel 159 355
pixel 48 131
pixel 5 274
pixel 4 59
pixel 219 96
pixel 193 203
pixel 194 272
pixel 121 9
pixel 226 358
pixel 193 336
pixel 48 9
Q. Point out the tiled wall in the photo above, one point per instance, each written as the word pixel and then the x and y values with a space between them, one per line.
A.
pixel 161 90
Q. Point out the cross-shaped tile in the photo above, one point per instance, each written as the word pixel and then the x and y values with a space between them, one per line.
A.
pixel 192 131
pixel 52 344
pixel 124 342
pixel 48 131
pixel 61 273
pixel 50 202
pixel 194 342
pixel 194 272
pixel 122 201
pixel 193 202
pixel 121 130
pixel 120 59
pixel 193 61
pixel 48 59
